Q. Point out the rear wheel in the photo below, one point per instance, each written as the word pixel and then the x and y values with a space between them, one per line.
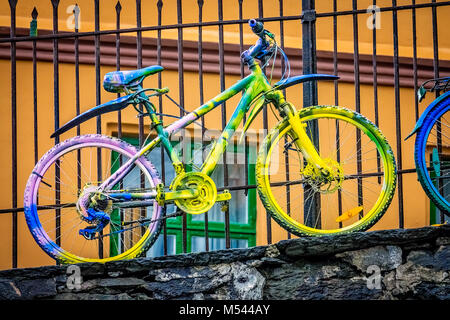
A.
pixel 73 168
pixel 353 198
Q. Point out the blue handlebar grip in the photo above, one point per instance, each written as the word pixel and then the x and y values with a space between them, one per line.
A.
pixel 257 27
pixel 252 22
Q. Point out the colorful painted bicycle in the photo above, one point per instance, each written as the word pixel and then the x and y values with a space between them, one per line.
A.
pixel 98 198
pixel 432 144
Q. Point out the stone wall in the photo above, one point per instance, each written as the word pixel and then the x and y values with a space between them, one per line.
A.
pixel 390 264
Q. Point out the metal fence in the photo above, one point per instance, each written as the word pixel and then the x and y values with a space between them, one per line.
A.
pixel 308 17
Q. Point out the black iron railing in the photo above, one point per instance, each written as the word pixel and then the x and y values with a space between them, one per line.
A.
pixel 308 17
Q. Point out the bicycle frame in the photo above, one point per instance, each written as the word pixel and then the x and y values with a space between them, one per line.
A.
pixel 252 85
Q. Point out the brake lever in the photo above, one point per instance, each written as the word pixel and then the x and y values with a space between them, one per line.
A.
pixel 269 34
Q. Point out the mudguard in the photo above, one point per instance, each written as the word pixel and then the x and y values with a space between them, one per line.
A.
pixel 113 105
pixel 280 85
pixel 433 105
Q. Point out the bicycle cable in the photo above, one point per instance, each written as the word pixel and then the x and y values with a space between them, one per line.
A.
pixel 142 222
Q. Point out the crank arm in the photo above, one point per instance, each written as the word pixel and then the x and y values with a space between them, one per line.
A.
pixel 224 196
pixel 180 194
pixel 144 199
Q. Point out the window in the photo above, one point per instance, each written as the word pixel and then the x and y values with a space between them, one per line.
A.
pixel 435 212
pixel 242 207
pixel 216 241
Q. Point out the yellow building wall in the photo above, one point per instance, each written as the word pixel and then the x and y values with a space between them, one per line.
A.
pixel 292 30
pixel 416 204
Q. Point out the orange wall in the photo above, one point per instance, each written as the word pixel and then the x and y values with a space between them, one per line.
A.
pixel 416 204
pixel 250 10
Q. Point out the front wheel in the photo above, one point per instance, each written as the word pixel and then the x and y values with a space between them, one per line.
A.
pixel 432 161
pixel 362 182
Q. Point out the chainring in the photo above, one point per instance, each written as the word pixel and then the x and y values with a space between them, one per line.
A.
pixel 207 192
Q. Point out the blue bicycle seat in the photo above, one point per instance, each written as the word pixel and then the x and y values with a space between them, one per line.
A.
pixel 119 81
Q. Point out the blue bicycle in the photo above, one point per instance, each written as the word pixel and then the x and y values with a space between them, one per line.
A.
pixel 432 146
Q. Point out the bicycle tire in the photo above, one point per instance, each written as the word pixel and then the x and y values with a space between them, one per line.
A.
pixel 30 199
pixel 419 156
pixel 299 229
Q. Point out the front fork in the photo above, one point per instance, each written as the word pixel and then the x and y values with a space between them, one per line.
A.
pixel 299 135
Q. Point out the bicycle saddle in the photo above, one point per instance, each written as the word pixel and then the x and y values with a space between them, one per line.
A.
pixel 120 81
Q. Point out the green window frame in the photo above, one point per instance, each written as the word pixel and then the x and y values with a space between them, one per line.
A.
pixel 195 227
pixel 435 212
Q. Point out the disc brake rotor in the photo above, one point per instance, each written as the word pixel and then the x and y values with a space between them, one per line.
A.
pixel 321 183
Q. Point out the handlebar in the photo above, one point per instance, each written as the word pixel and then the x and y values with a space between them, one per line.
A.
pixel 257 27
pixel 259 50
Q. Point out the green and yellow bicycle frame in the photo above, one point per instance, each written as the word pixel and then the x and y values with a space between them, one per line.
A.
pixel 256 87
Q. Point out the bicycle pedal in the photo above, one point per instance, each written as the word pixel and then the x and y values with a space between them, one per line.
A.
pixel 89 232
pixel 439 224
pixel 224 207
pixel 348 214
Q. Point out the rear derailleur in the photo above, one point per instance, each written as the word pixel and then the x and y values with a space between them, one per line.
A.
pixel 99 221
pixel 96 215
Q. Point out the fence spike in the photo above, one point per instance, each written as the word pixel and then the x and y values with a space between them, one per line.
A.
pixel 76 9
pixel 33 23
pixel 118 7
pixel 12 3
pixel 76 14
pixel 55 3
pixel 34 13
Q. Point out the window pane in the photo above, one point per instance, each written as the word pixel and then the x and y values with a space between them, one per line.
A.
pixel 157 249
pixel 126 239
pixel 198 243
pixel 445 192
pixel 438 217
pixel 239 201
pixel 236 176
pixel 155 159
pixel 239 243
